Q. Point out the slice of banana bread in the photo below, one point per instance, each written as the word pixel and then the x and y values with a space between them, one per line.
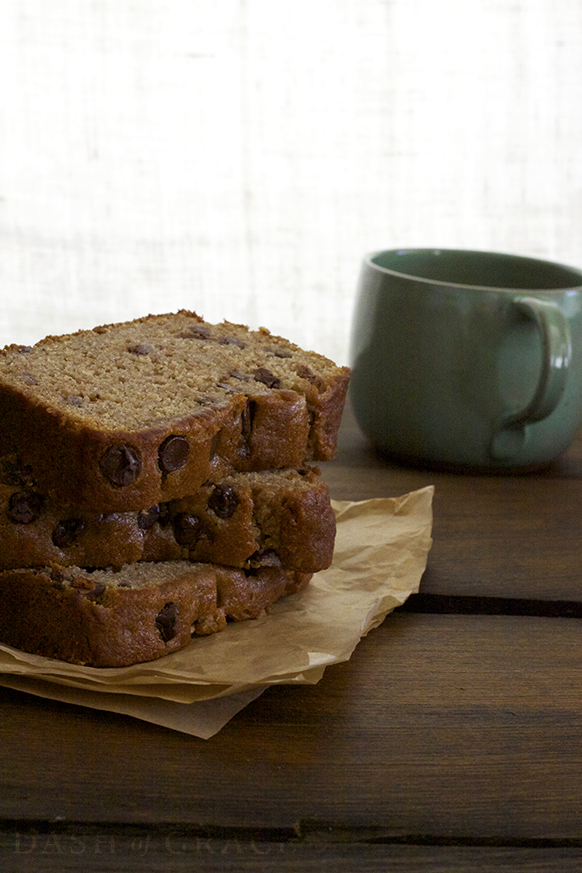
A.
pixel 106 618
pixel 129 415
pixel 249 520
pixel 240 521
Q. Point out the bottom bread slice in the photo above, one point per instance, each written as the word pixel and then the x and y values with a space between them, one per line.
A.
pixel 108 618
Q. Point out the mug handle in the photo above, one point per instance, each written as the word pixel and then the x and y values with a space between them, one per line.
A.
pixel 556 340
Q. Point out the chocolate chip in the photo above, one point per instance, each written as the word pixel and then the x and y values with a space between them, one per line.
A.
pixel 265 376
pixel 24 350
pixel 121 465
pixel 96 592
pixel 74 400
pixel 246 428
pixel 305 372
pixel 232 341
pixel 140 349
pixel 67 531
pixel 236 374
pixel 29 379
pixel 188 528
pixel 25 507
pixel 166 621
pixel 264 558
pixel 197 332
pixel 146 518
pixel 223 501
pixel 173 453
pixel 280 353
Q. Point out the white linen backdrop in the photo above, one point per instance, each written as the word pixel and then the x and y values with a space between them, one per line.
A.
pixel 239 157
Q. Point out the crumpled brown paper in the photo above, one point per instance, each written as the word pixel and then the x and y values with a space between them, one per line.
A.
pixel 380 555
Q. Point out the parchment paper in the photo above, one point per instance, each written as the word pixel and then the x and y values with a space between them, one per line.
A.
pixel 380 555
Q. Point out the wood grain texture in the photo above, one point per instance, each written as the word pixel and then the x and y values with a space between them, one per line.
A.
pixel 97 851
pixel 465 727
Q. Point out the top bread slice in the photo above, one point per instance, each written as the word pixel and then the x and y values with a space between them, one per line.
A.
pixel 128 415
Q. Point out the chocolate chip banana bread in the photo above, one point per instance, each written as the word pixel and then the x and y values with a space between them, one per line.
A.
pixel 244 520
pixel 130 415
pixel 139 613
pixel 249 520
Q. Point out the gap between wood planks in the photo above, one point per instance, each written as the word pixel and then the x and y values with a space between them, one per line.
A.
pixel 445 604
pixel 305 832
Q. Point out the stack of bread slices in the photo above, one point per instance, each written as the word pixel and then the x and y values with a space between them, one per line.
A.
pixel 157 482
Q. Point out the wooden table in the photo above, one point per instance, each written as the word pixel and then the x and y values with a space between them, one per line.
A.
pixel 452 740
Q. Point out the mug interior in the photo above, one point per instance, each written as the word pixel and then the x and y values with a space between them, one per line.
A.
pixel 478 269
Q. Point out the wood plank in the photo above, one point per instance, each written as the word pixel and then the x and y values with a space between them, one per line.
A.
pixel 175 852
pixel 495 536
pixel 439 726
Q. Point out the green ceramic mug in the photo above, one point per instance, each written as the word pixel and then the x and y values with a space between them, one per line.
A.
pixel 467 359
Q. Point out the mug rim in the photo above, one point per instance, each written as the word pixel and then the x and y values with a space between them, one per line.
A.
pixel 437 250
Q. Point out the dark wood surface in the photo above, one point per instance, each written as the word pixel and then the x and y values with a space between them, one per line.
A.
pixel 452 739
